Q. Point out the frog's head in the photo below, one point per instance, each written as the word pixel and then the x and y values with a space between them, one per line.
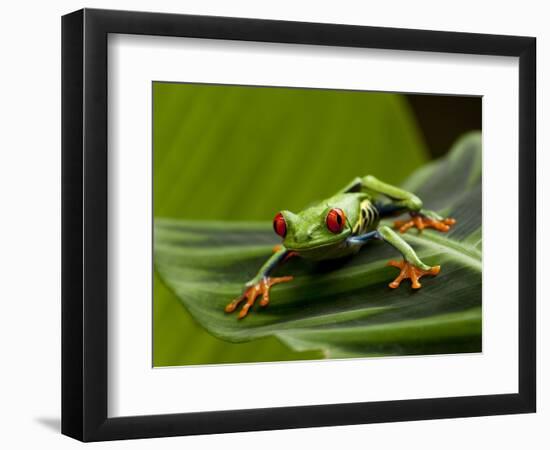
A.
pixel 313 229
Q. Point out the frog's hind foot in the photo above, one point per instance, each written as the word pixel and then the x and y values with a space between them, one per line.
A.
pixel 251 293
pixel 420 222
pixel 411 272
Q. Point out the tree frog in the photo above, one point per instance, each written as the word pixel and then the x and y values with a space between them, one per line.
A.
pixel 340 226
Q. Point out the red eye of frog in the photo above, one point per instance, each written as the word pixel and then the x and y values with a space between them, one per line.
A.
pixel 279 225
pixel 336 220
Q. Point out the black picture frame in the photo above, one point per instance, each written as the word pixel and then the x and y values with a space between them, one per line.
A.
pixel 84 224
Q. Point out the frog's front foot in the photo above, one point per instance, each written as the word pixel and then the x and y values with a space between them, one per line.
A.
pixel 421 221
pixel 411 272
pixel 251 293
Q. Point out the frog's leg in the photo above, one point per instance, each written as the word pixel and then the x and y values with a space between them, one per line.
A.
pixel 400 198
pixel 288 255
pixel 411 267
pixel 261 284
pixel 401 201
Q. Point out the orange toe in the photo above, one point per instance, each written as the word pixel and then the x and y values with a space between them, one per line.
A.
pixel 252 293
pixel 420 222
pixel 413 273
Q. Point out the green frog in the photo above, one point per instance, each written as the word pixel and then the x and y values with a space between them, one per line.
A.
pixel 340 226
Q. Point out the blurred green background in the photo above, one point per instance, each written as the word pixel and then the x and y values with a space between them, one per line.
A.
pixel 241 153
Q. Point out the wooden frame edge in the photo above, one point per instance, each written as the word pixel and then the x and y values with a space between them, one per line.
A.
pixel 84 224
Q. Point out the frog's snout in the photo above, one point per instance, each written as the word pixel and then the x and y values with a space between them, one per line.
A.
pixel 306 235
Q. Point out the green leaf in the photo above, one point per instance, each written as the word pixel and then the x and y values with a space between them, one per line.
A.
pixel 343 307
pixel 240 153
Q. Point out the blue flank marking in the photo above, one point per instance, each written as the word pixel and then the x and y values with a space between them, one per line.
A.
pixel 388 209
pixel 364 238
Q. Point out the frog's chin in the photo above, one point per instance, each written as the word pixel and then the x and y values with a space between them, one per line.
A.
pixel 323 250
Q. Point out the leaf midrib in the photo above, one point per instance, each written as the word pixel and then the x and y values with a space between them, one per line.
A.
pixel 470 256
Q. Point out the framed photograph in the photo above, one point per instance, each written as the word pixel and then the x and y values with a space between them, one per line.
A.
pixel 273 224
